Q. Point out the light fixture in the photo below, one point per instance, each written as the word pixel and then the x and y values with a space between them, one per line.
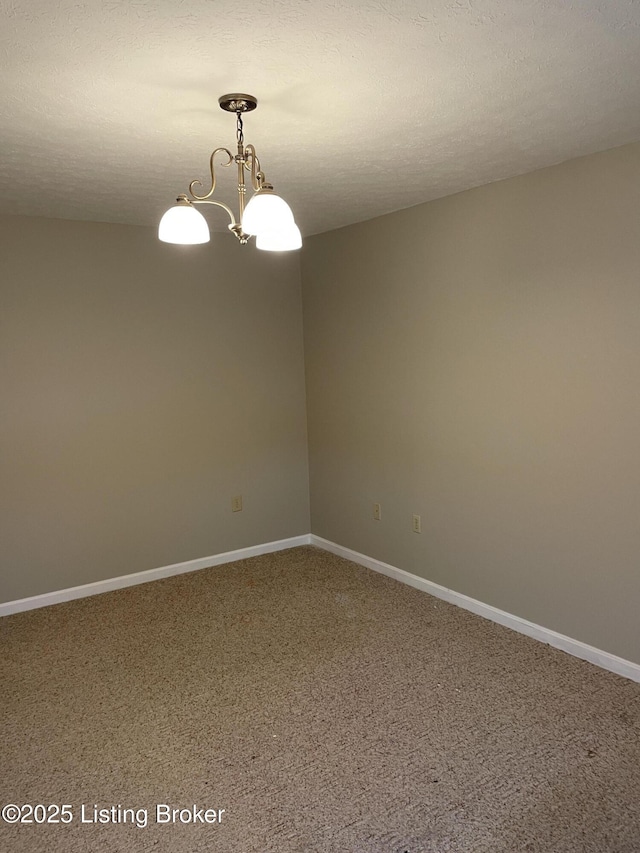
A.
pixel 266 216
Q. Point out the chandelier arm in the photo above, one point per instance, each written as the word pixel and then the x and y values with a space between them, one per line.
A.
pixel 221 204
pixel 197 183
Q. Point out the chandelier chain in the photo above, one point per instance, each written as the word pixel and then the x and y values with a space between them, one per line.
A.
pixel 239 130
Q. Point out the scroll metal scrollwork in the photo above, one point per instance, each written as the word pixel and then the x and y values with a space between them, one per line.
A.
pixel 252 164
pixel 198 183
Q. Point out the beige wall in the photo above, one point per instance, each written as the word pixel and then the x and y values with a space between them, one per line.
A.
pixel 476 360
pixel 143 385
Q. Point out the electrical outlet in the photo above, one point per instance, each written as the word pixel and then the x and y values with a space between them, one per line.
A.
pixel 236 504
pixel 377 512
pixel 417 524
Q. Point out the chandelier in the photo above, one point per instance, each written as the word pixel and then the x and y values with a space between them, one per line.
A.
pixel 265 216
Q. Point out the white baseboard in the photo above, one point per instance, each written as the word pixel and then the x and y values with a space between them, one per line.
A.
pixel 605 660
pixel 559 641
pixel 98 587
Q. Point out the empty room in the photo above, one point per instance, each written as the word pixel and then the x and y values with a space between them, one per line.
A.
pixel 320 427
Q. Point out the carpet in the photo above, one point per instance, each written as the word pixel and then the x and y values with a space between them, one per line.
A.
pixel 299 703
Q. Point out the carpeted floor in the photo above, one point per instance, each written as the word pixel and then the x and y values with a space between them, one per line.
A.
pixel 324 707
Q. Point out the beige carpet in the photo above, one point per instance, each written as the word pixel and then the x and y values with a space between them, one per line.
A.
pixel 324 707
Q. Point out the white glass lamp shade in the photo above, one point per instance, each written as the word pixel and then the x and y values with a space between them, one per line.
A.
pixel 183 224
pixel 281 240
pixel 266 211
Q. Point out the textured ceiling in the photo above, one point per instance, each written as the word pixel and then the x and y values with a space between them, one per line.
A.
pixel 109 107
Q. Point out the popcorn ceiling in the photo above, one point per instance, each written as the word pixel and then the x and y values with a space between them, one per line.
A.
pixel 109 108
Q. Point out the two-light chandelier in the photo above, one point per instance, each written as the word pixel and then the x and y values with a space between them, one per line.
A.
pixel 266 216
